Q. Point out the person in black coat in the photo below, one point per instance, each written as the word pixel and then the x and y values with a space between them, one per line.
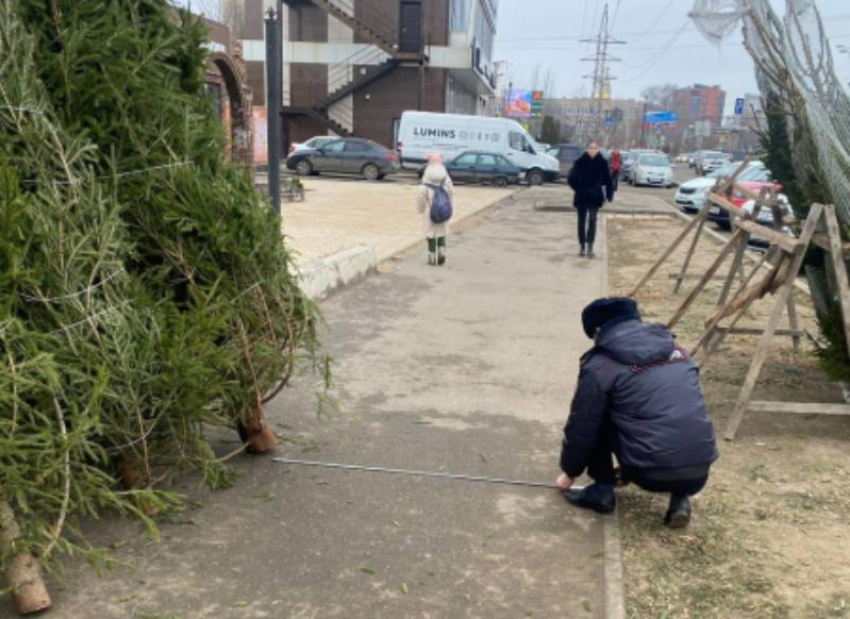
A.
pixel 639 398
pixel 590 179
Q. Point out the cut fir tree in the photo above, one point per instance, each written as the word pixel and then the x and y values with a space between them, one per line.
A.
pixel 145 290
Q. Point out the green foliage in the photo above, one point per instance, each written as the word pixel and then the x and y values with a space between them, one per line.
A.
pixel 550 132
pixel 145 290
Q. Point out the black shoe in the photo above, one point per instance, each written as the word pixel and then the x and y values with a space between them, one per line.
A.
pixel 582 251
pixel 592 498
pixel 679 513
pixel 441 259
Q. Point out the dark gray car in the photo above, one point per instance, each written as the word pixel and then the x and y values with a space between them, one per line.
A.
pixel 566 154
pixel 346 156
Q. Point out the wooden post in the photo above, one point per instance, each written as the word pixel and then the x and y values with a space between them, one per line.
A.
pixel 693 223
pixel 705 278
pixel 22 569
pixel 737 262
pixel 688 257
pixel 707 341
pixel 775 316
pixel 836 251
pixel 794 323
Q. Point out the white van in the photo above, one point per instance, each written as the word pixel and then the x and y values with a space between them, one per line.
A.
pixel 423 133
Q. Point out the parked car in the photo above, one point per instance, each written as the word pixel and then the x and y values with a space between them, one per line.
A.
pixel 347 156
pixel 482 167
pixel 691 195
pixel 753 179
pixel 567 154
pixel 712 163
pixel 701 155
pixel 422 133
pixel 316 142
pixel 652 169
pixel 628 161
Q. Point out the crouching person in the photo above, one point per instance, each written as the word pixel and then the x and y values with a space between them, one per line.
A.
pixel 639 398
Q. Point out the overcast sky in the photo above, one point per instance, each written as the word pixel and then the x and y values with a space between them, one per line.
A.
pixel 662 45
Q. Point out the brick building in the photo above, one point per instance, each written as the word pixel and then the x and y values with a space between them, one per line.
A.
pixel 351 67
pixel 700 110
pixel 226 81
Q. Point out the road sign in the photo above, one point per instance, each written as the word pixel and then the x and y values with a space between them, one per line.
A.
pixel 739 106
pixel 662 118
pixel 536 102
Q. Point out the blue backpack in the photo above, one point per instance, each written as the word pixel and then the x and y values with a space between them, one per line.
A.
pixel 441 203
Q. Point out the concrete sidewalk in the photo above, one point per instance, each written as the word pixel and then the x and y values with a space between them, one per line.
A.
pixel 339 213
pixel 468 368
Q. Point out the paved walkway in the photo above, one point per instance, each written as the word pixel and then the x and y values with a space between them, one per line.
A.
pixel 467 368
pixel 341 213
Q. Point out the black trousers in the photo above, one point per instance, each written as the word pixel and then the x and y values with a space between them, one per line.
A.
pixel 586 224
pixel 615 177
pixel 683 482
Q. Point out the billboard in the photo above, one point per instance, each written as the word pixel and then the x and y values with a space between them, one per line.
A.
pixel 518 104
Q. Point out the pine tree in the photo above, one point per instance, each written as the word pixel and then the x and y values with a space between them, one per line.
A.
pixel 145 290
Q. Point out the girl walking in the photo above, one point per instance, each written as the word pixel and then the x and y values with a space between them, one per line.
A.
pixel 435 176
pixel 591 180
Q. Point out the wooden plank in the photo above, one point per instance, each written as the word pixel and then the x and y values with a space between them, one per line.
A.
pixel 723 203
pixel 839 266
pixel 688 257
pixel 822 240
pixel 758 331
pixel 733 241
pixel 707 340
pixel 733 270
pixel 775 316
pixel 794 323
pixel 669 251
pixel 798 408
pixel 784 241
pixel 729 182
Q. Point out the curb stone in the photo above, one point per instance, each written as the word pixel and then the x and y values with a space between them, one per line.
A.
pixel 320 277
pixel 613 588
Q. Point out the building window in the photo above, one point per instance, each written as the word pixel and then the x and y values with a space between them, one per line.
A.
pixel 459 15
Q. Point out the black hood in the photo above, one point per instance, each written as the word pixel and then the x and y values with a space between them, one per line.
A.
pixel 636 343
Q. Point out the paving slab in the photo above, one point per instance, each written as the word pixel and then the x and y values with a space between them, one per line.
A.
pixel 340 213
pixel 466 368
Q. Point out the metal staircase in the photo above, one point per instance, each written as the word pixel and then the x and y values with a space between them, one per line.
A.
pixel 361 68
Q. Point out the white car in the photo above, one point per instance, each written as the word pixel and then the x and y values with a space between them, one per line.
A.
pixel 652 169
pixel 312 143
pixel 691 196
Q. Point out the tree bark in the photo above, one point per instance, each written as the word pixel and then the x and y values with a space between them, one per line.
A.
pixel 254 432
pixel 22 571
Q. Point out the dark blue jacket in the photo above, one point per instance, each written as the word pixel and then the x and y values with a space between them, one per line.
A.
pixel 637 384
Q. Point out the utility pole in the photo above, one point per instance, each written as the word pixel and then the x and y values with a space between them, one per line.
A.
pixel 274 103
pixel 601 76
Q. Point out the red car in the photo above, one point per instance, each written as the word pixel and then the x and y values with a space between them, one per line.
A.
pixel 753 180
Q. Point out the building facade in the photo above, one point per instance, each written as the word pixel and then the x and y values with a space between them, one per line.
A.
pixel 700 109
pixel 351 67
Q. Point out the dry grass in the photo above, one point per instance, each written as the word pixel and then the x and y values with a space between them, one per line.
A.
pixel 770 535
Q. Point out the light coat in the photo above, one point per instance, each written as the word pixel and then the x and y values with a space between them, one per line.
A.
pixel 434 175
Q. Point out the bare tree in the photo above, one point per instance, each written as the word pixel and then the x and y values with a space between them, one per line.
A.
pixel 660 95
pixel 549 81
pixel 233 15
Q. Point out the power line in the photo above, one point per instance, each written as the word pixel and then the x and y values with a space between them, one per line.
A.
pixel 663 52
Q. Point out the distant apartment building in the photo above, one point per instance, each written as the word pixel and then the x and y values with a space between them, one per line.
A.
pixel 351 67
pixel 700 109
